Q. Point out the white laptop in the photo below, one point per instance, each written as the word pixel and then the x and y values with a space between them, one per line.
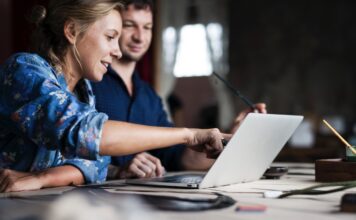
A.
pixel 245 158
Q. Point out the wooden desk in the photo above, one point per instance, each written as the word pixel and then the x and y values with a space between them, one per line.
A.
pixel 33 205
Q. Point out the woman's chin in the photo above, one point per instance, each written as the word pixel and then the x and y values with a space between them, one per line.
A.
pixel 97 77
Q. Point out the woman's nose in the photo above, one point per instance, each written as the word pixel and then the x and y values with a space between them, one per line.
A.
pixel 117 52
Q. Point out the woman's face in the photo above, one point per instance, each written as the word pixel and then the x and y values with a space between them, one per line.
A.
pixel 99 45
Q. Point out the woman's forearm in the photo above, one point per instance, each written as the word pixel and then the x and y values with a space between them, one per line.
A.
pixel 14 181
pixel 61 176
pixel 121 138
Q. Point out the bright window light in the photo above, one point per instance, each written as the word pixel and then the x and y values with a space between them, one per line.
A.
pixel 215 32
pixel 169 47
pixel 193 56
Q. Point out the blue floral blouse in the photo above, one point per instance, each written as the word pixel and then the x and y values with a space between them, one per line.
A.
pixel 43 125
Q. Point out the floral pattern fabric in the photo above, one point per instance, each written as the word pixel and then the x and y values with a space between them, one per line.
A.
pixel 43 125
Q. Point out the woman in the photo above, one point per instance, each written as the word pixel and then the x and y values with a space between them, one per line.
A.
pixel 47 118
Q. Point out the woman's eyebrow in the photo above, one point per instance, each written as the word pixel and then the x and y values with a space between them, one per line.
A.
pixel 113 31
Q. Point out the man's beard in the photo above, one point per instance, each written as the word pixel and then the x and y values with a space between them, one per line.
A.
pixel 126 57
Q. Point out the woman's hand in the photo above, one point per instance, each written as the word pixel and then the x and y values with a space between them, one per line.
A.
pixel 13 181
pixel 208 141
pixel 143 165
pixel 259 107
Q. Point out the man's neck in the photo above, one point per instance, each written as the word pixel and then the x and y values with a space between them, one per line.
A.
pixel 125 70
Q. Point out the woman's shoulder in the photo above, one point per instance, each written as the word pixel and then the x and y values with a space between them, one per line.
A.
pixel 29 64
pixel 26 59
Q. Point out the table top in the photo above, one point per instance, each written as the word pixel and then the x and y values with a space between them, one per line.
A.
pixel 59 203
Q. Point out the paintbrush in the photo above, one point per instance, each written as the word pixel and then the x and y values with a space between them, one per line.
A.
pixel 340 137
pixel 236 92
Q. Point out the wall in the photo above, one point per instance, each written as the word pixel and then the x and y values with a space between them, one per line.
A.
pixel 298 56
pixel 16 29
pixel 5 24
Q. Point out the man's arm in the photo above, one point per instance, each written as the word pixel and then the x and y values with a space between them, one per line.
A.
pixel 259 107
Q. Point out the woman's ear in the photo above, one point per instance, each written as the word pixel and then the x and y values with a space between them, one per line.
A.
pixel 70 31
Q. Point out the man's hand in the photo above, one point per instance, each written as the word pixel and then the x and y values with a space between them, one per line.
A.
pixel 13 181
pixel 260 107
pixel 143 165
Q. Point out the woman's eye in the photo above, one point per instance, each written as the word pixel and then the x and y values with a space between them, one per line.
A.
pixel 110 38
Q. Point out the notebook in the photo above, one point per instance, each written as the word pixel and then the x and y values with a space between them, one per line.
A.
pixel 245 158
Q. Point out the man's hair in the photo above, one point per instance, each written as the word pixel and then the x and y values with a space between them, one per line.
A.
pixel 140 4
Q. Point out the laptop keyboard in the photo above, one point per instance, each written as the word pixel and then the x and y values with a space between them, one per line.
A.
pixel 184 179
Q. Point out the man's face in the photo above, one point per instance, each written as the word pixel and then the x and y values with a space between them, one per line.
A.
pixel 136 33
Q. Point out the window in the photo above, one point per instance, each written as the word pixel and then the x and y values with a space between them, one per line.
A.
pixel 193 55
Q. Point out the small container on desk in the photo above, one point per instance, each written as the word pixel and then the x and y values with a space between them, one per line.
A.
pixel 335 170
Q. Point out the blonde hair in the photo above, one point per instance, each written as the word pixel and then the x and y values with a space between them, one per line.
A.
pixel 49 40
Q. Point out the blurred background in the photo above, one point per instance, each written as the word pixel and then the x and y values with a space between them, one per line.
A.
pixel 296 56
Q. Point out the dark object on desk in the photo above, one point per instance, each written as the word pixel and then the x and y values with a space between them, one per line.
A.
pixel 334 170
pixel 176 203
pixel 165 203
pixel 348 202
pixel 275 172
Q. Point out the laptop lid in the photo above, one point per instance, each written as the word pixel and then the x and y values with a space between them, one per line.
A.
pixel 252 149
pixel 247 155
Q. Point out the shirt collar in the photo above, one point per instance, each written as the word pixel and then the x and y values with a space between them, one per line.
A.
pixel 136 79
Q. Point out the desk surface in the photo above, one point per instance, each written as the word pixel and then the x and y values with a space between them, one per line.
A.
pixel 34 204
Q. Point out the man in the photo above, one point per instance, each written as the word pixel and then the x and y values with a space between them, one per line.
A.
pixel 125 97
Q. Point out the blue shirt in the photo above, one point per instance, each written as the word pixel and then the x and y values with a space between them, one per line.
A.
pixel 144 107
pixel 43 125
